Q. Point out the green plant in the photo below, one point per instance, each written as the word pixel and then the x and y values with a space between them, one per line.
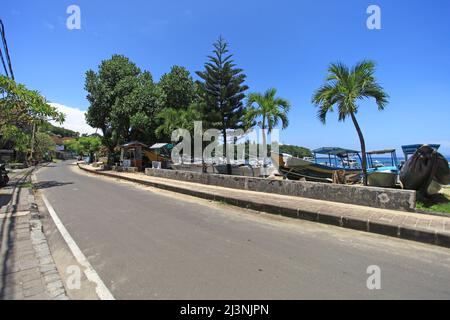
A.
pixel 223 92
pixel 269 109
pixel 343 88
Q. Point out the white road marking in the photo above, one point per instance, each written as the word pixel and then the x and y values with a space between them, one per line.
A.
pixel 101 289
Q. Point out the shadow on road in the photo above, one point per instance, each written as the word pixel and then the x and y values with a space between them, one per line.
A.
pixel 50 184
pixel 5 199
pixel 7 233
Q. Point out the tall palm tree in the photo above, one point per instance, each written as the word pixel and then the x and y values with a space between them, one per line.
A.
pixel 343 88
pixel 170 122
pixel 173 119
pixel 269 109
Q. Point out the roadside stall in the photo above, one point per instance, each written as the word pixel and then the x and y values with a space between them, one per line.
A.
pixel 131 156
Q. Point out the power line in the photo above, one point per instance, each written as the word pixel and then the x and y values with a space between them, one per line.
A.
pixel 3 62
pixel 5 47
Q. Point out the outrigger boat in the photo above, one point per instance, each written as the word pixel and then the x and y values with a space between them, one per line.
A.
pixel 339 159
pixel 380 175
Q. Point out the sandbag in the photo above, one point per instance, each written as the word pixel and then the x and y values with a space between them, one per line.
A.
pixel 422 168
pixel 442 175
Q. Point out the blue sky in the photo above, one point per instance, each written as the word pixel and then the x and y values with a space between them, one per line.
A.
pixel 282 44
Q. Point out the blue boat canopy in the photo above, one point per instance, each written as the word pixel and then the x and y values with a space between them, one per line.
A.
pixel 411 149
pixel 334 151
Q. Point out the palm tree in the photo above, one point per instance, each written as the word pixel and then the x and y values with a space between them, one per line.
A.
pixel 170 122
pixel 270 110
pixel 343 88
pixel 173 119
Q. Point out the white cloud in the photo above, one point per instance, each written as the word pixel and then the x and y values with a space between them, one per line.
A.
pixel 75 119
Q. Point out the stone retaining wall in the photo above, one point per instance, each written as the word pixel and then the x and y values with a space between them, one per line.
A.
pixel 394 199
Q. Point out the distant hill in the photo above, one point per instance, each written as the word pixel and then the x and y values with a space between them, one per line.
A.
pixel 62 132
pixel 295 151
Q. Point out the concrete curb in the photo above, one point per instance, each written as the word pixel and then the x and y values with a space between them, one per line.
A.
pixel 32 274
pixel 388 229
pixel 54 285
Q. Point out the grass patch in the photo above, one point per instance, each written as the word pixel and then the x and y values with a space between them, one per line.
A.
pixel 437 203
pixel 26 185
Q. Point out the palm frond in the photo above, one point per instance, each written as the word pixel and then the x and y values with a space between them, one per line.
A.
pixel 323 110
pixel 338 72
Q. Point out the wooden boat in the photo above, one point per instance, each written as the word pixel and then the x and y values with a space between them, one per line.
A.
pixel 425 169
pixel 380 175
pixel 338 161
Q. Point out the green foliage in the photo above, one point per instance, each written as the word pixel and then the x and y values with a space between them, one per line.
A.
pixel 296 151
pixel 222 90
pixel 19 139
pixel 123 102
pixel 73 145
pixel 144 103
pixel 438 203
pixel 172 119
pixel 22 109
pixel 343 88
pixel 269 110
pixel 43 144
pixel 84 145
pixel 62 132
pixel 178 87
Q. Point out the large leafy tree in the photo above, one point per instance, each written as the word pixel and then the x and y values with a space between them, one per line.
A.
pixel 107 88
pixel 43 145
pixel 134 114
pixel 343 89
pixel 124 102
pixel 223 92
pixel 267 110
pixel 21 112
pixel 21 107
pixel 178 87
pixel 86 145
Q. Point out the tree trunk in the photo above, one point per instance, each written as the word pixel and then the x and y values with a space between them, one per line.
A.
pixel 264 137
pixel 226 152
pixel 363 148
pixel 33 137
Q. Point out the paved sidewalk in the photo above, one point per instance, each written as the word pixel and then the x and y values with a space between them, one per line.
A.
pixel 411 226
pixel 27 269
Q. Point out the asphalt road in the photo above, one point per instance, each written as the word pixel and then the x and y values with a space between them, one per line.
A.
pixel 149 244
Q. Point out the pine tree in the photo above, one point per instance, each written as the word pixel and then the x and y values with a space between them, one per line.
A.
pixel 223 92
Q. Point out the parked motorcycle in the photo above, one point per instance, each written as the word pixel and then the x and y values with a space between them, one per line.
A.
pixel 4 179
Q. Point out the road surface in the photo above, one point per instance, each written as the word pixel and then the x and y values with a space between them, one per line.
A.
pixel 147 243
